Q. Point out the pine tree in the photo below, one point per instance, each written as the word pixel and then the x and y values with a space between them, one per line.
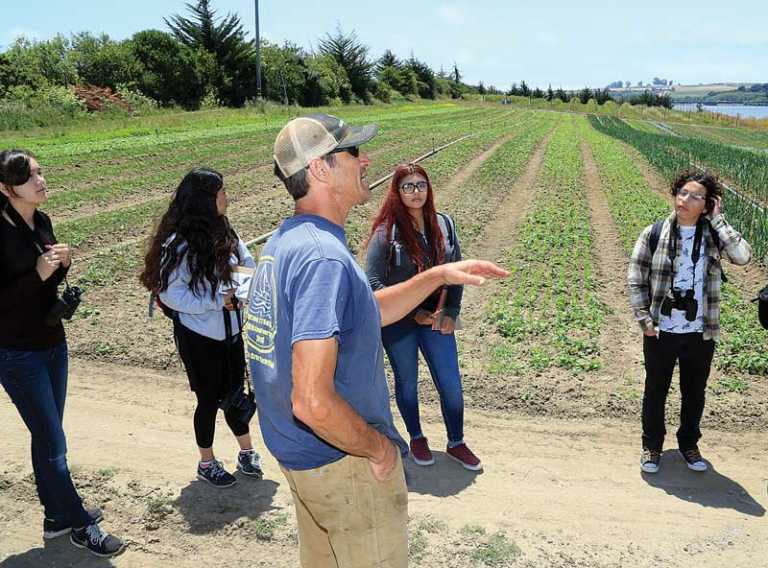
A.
pixel 225 39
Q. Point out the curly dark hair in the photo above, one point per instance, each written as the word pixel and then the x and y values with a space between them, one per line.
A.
pixel 192 219
pixel 708 180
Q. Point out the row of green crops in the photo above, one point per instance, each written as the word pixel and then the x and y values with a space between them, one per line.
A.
pixel 111 227
pixel 743 348
pixel 111 273
pixel 748 138
pixel 672 154
pixel 130 221
pixel 484 191
pixel 98 178
pixel 548 313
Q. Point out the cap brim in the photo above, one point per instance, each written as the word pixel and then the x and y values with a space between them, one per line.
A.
pixel 359 135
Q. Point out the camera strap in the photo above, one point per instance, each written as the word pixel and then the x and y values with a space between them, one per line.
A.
pixel 35 237
pixel 229 336
pixel 695 252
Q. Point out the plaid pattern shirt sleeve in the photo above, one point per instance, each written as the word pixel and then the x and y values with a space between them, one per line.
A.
pixel 732 244
pixel 639 281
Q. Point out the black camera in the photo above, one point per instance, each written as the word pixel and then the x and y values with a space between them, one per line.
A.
pixel 65 306
pixel 239 404
pixel 682 300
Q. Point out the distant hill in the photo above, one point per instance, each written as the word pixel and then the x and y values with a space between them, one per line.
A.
pixel 721 93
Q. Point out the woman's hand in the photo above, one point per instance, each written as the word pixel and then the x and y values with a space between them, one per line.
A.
pixel 64 252
pixel 448 325
pixel 228 299
pixel 48 263
pixel 423 317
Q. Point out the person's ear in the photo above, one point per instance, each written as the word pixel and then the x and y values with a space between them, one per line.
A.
pixel 318 168
pixel 7 190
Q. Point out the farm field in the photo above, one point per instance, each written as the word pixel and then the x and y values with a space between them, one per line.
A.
pixel 551 359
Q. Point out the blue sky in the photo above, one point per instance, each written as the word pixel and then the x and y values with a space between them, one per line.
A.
pixel 568 43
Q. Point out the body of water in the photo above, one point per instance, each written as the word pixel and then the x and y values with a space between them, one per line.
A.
pixel 744 111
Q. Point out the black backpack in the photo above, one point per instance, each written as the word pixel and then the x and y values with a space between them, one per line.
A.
pixel 762 307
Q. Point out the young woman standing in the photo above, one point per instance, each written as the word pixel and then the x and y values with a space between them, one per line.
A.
pixel 190 265
pixel 33 348
pixel 408 236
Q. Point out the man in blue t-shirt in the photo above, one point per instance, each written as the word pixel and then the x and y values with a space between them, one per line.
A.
pixel 314 347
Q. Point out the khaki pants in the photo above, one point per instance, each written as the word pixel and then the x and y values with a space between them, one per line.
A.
pixel 348 519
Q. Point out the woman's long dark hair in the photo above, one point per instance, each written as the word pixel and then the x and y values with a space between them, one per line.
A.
pixel 193 219
pixel 15 170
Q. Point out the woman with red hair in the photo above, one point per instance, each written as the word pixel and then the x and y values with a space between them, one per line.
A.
pixel 408 236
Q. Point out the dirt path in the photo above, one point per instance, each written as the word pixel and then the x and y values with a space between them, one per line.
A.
pixel 457 182
pixel 497 236
pixel 554 492
pixel 619 340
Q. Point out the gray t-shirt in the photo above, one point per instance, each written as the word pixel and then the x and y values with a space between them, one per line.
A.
pixel 309 286
pixel 676 323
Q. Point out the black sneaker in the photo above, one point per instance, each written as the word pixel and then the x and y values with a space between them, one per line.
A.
pixel 96 541
pixel 216 475
pixel 693 459
pixel 249 463
pixel 650 461
pixel 54 529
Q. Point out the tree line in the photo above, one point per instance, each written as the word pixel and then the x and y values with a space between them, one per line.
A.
pixel 206 58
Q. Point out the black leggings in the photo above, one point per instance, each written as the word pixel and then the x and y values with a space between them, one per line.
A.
pixel 213 368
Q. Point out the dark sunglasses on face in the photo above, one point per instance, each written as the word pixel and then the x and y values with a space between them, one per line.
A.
pixel 410 187
pixel 354 151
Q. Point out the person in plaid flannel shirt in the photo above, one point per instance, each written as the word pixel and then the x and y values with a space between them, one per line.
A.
pixel 674 291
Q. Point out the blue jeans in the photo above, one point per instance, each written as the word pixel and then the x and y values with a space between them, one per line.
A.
pixel 402 344
pixel 36 381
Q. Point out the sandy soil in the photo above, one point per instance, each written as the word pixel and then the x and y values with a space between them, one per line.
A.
pixel 553 493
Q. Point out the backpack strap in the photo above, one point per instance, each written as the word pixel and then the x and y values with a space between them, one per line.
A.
pixel 451 228
pixel 653 238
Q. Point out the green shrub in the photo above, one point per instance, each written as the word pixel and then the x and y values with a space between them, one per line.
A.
pixel 24 108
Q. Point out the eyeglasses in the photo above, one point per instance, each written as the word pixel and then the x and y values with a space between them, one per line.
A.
pixel 353 151
pixel 695 196
pixel 410 187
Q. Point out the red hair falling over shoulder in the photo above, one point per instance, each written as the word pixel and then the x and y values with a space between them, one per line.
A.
pixel 393 212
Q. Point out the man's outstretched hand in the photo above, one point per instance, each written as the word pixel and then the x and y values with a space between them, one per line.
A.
pixel 471 272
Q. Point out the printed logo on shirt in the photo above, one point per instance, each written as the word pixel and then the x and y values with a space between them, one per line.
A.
pixel 261 327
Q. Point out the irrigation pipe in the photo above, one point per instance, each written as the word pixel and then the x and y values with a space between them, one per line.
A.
pixel 749 200
pixel 263 238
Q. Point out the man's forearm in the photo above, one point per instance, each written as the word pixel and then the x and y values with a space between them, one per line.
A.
pixel 395 302
pixel 336 422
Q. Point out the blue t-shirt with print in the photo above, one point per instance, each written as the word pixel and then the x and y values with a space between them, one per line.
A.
pixel 309 286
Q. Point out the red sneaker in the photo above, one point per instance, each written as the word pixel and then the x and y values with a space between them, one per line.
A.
pixel 465 457
pixel 420 452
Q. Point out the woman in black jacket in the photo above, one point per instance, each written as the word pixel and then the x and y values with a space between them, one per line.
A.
pixel 33 348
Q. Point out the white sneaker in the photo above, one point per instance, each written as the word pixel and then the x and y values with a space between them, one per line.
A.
pixel 693 460
pixel 650 461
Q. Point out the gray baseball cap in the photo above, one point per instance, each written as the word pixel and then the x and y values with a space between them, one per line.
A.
pixel 308 137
